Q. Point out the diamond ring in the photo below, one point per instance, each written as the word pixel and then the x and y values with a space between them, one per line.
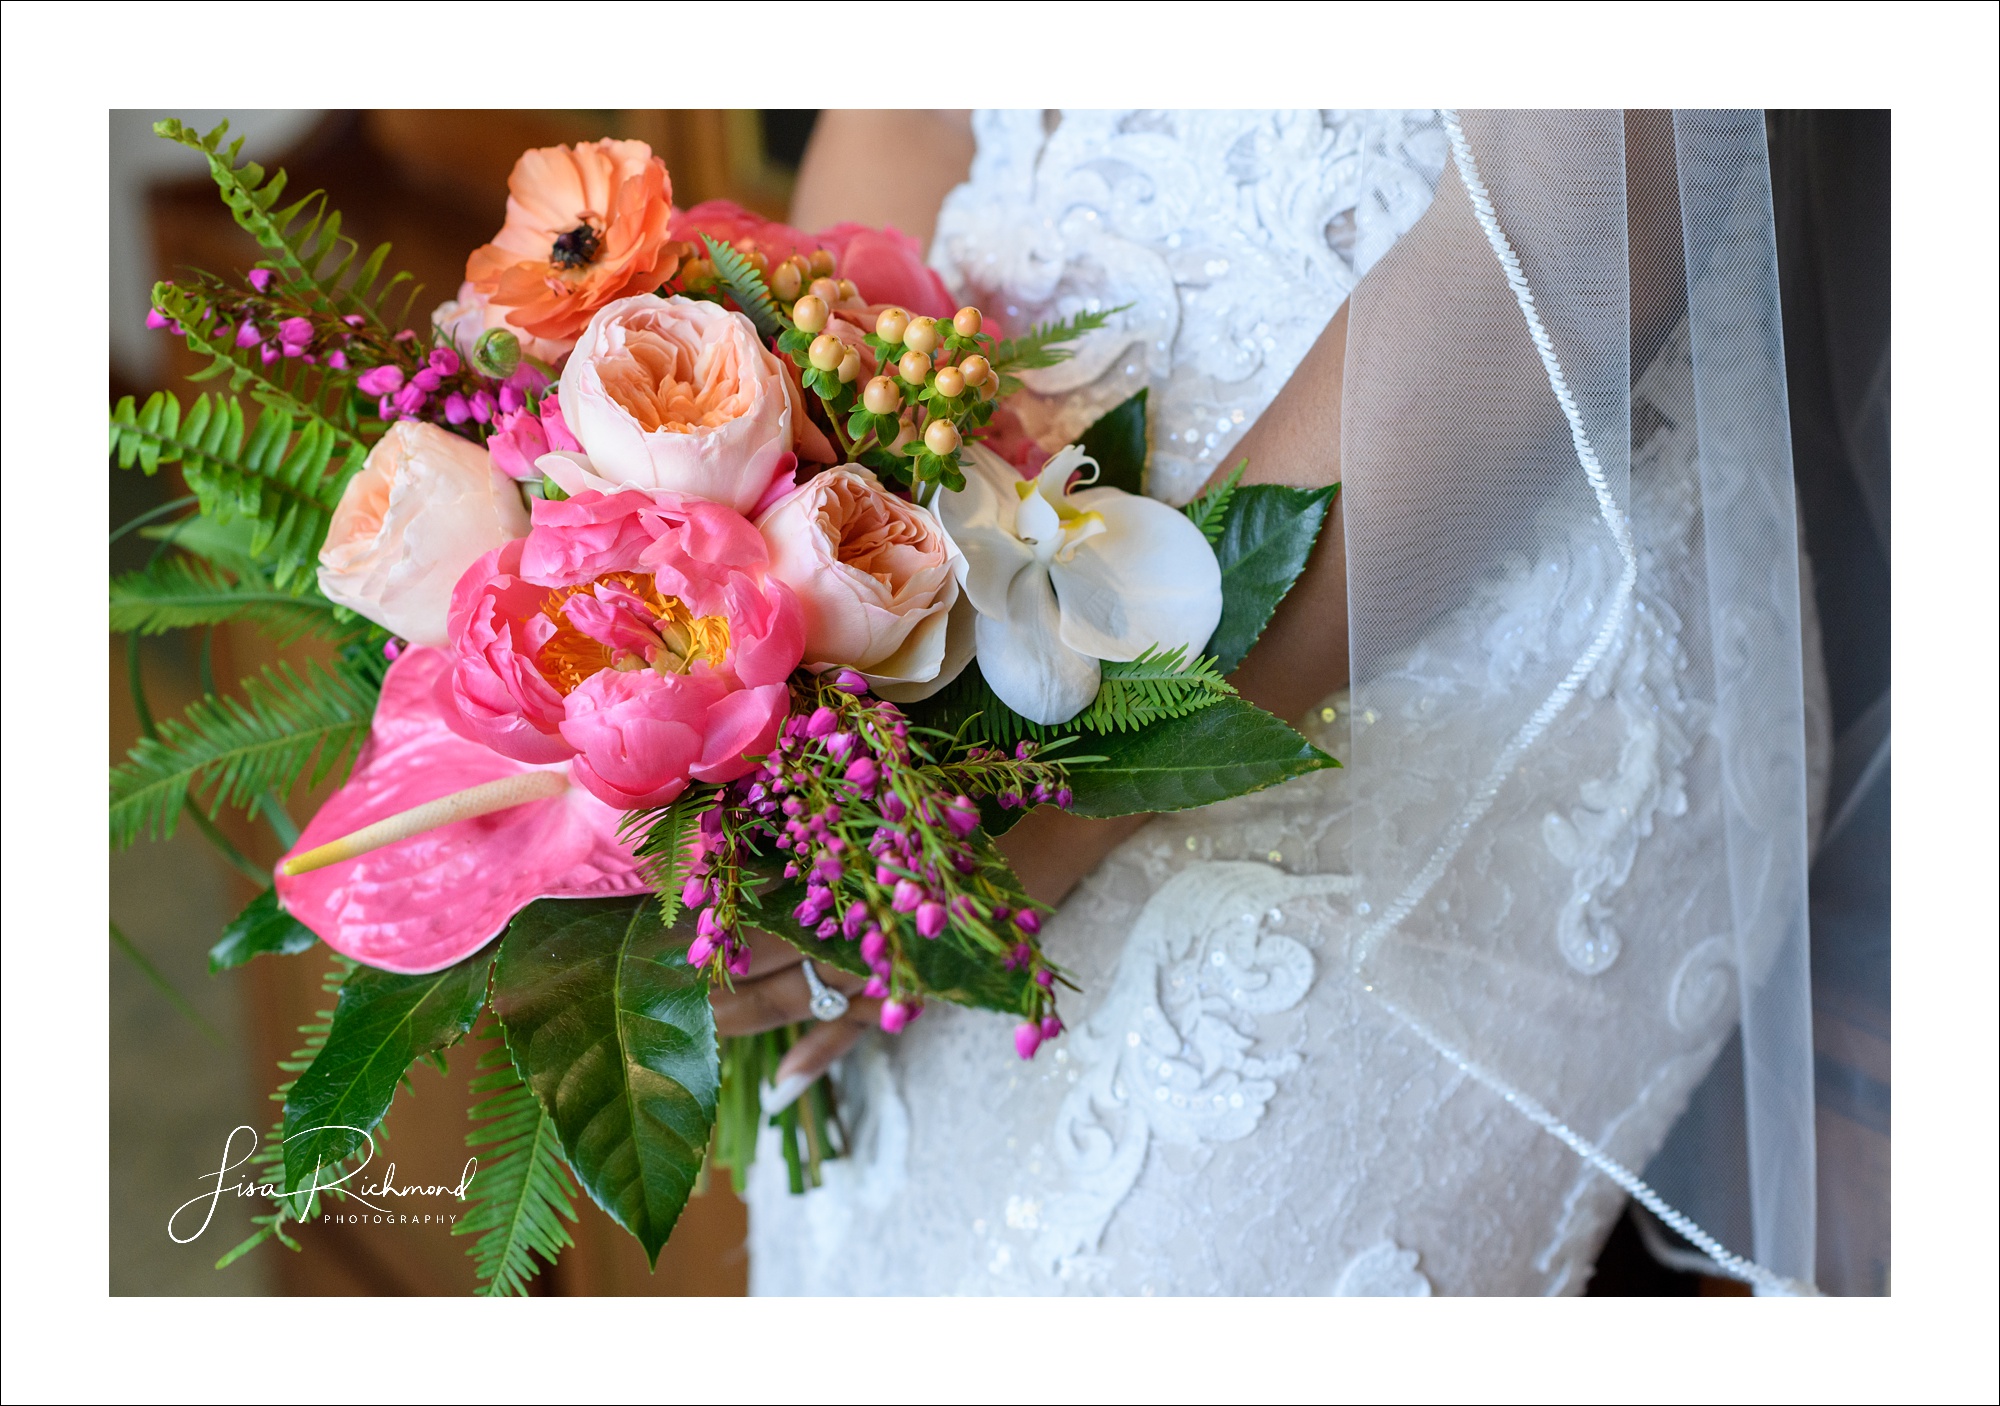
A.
pixel 827 1003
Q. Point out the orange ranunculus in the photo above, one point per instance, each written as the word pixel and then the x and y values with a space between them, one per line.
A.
pixel 586 226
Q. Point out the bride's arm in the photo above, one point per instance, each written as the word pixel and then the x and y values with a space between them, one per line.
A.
pixel 895 168
pixel 882 168
pixel 1302 656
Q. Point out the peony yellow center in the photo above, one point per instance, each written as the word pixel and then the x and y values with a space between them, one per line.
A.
pixel 667 638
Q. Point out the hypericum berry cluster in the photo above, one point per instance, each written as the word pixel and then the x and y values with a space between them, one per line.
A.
pixel 883 838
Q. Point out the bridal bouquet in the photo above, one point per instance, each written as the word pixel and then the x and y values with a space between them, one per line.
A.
pixel 684 575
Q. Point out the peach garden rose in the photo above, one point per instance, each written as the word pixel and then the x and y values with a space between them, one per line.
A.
pixel 680 396
pixel 875 578
pixel 425 506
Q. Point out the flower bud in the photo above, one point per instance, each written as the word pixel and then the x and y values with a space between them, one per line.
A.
pixel 891 325
pixel 826 351
pixel 941 437
pixel 850 366
pixel 895 1015
pixel 847 681
pixel 1051 1026
pixel 809 313
pixel 497 353
pixel 914 367
pixel 967 321
pixel 882 396
pixel 700 950
pixel 1028 920
pixel 874 947
pixel 827 291
pixel 950 382
pixel 786 282
pixel 1027 1039
pixel 930 918
pixel 821 263
pixel 922 335
pixel 976 368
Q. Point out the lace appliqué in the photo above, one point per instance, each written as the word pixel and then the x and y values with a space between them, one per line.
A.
pixel 1229 237
pixel 1384 1271
pixel 1167 1055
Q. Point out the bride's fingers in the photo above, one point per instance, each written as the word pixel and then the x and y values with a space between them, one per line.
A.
pixel 770 954
pixel 782 998
pixel 824 1043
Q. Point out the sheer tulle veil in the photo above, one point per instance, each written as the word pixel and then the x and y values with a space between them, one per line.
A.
pixel 1584 284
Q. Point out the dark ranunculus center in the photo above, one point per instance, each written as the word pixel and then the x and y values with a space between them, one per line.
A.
pixel 576 248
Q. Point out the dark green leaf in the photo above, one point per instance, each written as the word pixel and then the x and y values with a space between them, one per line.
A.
pixel 1227 749
pixel 1118 443
pixel 612 1030
pixel 381 1025
pixel 260 928
pixel 1266 542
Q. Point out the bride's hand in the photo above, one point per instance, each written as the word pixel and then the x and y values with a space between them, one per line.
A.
pixel 775 993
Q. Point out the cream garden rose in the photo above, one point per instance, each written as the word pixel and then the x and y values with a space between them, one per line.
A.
pixel 876 578
pixel 425 506
pixel 679 395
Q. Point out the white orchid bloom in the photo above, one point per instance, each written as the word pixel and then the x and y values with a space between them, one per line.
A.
pixel 1064 579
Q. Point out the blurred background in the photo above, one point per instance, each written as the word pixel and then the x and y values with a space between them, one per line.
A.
pixel 193 1055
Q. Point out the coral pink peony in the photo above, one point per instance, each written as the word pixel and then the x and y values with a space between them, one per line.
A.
pixel 676 395
pixel 421 904
pixel 886 266
pixel 586 226
pixel 636 635
pixel 726 222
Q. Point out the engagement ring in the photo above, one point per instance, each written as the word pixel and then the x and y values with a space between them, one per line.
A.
pixel 827 1003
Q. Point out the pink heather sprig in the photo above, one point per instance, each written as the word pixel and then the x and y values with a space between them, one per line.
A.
pixel 882 836
pixel 408 377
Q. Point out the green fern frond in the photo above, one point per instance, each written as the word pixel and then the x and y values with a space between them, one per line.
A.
pixel 233 750
pixel 312 258
pixel 269 1161
pixel 663 837
pixel 519 1199
pixel 285 479
pixel 740 279
pixel 1158 684
pixel 1041 345
pixel 1210 511
pixel 180 592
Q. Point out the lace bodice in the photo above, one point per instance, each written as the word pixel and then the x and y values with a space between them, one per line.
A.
pixel 1232 236
pixel 1236 1110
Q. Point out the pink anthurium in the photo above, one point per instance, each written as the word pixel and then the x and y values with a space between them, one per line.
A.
pixel 425 902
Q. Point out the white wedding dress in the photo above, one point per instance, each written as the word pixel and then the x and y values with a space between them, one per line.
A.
pixel 1236 1109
